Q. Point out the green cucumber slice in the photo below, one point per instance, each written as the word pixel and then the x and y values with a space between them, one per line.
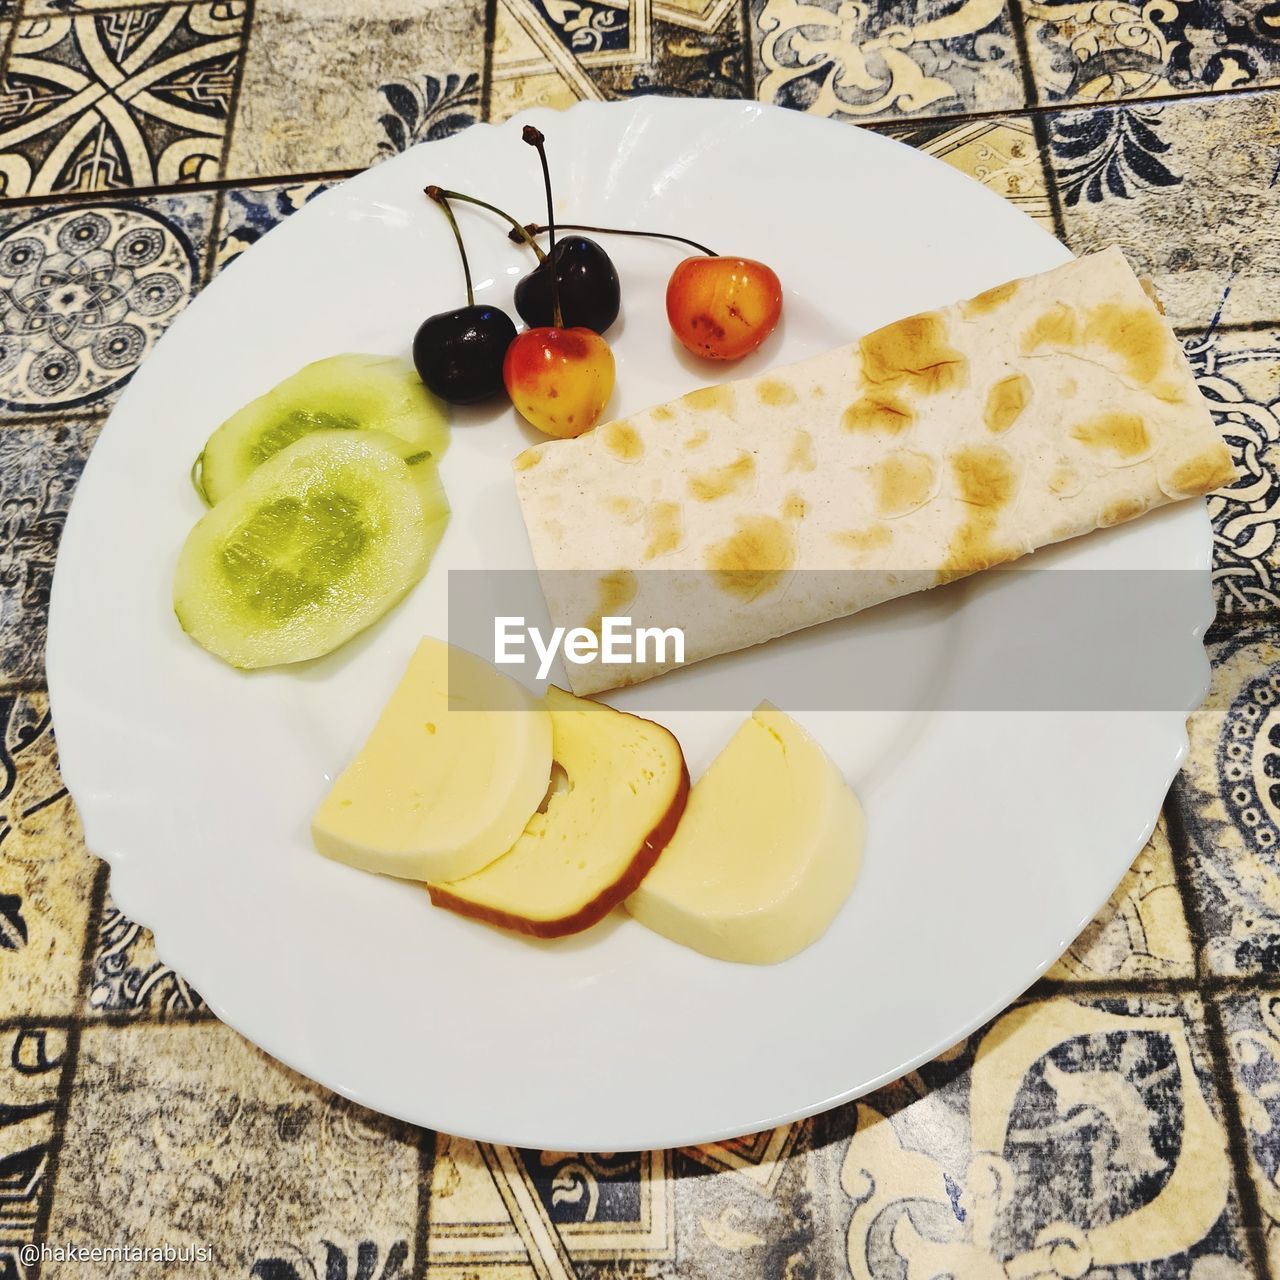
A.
pixel 317 544
pixel 347 392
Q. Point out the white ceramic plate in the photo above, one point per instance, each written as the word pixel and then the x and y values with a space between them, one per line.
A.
pixel 993 837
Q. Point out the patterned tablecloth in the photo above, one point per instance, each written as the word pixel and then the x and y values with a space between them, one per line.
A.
pixel 1123 1120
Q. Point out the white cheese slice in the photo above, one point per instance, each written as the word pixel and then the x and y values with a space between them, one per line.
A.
pixel 765 854
pixel 458 762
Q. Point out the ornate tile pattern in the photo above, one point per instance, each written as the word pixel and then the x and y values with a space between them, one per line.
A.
pixel 58 8
pixel 186 1135
pixel 248 213
pixel 1056 1142
pixel 555 53
pixel 1253 1033
pixel 33 1061
pixel 129 978
pixel 1117 1125
pixel 1068 1138
pixel 314 92
pixel 1141 933
pixel 85 292
pixel 1229 797
pixel 1084 51
pixel 1001 153
pixel 864 61
pixel 46 877
pixel 128 98
pixel 39 468
pixel 1239 373
pixel 1188 190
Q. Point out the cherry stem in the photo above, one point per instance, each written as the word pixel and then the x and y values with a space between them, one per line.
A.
pixel 517 232
pixel 534 229
pixel 535 139
pixel 440 199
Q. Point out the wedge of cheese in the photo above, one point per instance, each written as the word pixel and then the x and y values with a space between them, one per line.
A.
pixel 935 447
pixel 457 763
pixel 625 785
pixel 766 853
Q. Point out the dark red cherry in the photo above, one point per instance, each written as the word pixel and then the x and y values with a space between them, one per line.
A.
pixel 459 354
pixel 587 282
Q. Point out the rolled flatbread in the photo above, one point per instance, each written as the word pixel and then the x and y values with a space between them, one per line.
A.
pixel 940 445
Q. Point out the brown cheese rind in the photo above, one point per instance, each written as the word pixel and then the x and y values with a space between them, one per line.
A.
pixel 935 447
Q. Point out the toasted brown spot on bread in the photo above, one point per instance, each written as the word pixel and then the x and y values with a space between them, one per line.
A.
pixel 664 524
pixel 529 458
pixel 616 591
pixel 794 507
pixel 720 481
pixel 1059 327
pixel 662 413
pixel 696 439
pixel 903 481
pixel 974 547
pixel 622 440
pixel 774 391
pixel 1006 401
pixel 626 509
pixel 1065 481
pixel 990 299
pixel 878 413
pixel 872 538
pixel 986 480
pixel 1201 473
pixel 1149 288
pixel 1134 334
pixel 1067 388
pixel 1168 390
pixel 1120 510
pixel 1122 435
pixel 985 475
pixel 753 560
pixel 721 398
pixel 800 458
pixel 914 351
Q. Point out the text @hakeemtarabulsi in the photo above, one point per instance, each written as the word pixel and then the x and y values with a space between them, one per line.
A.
pixel 1013 639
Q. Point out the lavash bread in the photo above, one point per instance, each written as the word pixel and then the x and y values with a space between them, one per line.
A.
pixel 937 446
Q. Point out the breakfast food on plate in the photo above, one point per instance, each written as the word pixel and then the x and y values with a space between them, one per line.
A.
pixel 456 765
pixel 349 392
pixel 766 853
pixel 459 353
pixel 723 308
pixel 559 373
pixel 625 785
pixel 935 447
pixel 586 282
pixel 319 542
pixel 558 377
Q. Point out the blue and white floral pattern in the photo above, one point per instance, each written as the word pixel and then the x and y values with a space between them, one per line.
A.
pixel 84 294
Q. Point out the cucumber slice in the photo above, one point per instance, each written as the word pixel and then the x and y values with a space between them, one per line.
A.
pixel 348 392
pixel 316 545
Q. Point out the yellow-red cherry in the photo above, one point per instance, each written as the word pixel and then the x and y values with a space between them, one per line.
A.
pixel 559 379
pixel 723 308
